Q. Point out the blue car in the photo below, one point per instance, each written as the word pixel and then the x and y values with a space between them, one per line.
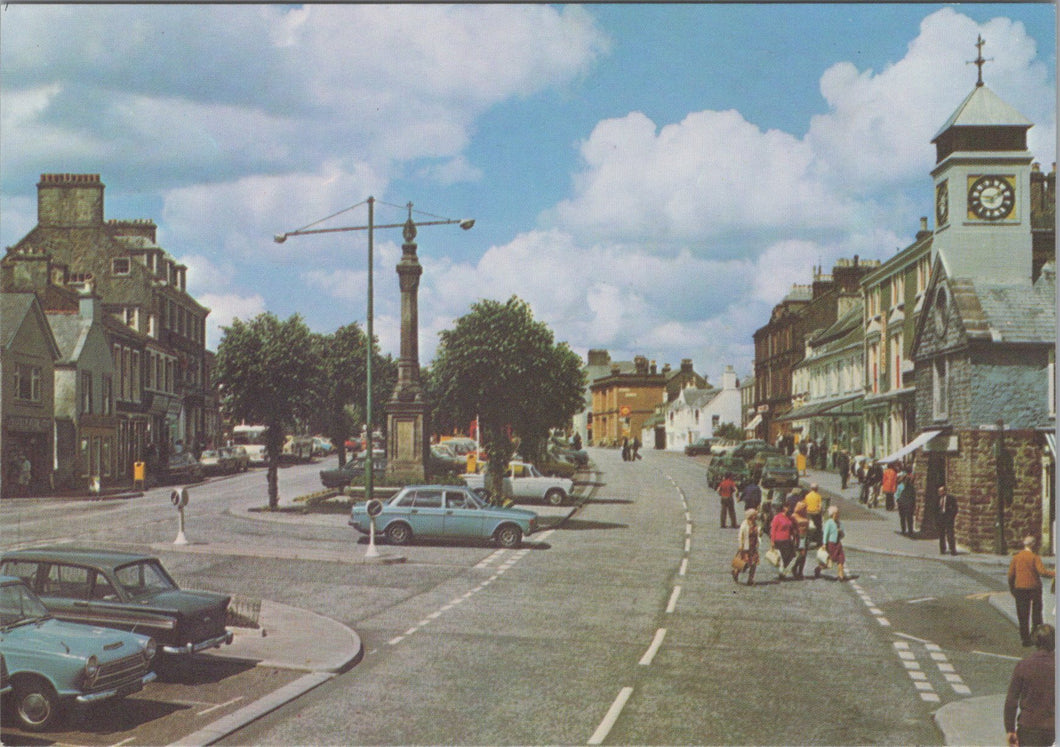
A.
pixel 446 511
pixel 51 664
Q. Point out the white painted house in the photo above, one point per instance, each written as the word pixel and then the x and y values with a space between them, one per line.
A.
pixel 695 413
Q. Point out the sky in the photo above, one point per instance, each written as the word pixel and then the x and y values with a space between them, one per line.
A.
pixel 651 178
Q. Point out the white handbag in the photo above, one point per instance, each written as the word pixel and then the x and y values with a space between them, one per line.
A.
pixel 823 557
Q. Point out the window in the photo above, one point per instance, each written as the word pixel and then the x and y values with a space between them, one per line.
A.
pixel 428 499
pixel 897 290
pixel 152 325
pixel 86 392
pixel 108 396
pixel 896 356
pixel 923 273
pixel 874 367
pixel 939 388
pixel 28 383
pixel 119 266
pixel 132 317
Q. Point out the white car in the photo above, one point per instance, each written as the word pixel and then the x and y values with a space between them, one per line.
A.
pixel 525 483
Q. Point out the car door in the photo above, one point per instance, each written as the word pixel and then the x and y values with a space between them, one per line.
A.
pixel 463 518
pixel 427 516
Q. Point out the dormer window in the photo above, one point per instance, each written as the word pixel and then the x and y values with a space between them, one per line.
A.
pixel 120 266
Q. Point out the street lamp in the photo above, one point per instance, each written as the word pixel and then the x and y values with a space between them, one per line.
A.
pixel 410 226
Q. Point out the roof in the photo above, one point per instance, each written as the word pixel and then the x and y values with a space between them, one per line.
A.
pixel 1009 313
pixel 13 310
pixel 85 556
pixel 983 108
pixel 70 331
pixel 699 397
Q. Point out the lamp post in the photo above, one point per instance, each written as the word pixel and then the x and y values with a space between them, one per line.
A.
pixel 408 226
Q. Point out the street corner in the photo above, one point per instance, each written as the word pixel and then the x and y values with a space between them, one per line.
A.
pixel 294 638
pixel 972 721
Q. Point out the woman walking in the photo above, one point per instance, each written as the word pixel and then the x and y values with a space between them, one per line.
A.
pixel 747 552
pixel 781 538
pixel 833 542
pixel 801 518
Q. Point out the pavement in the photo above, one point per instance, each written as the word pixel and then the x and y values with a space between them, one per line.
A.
pixel 971 721
pixel 297 639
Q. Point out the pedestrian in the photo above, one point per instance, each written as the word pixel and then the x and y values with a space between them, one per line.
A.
pixel 751 495
pixel 1025 582
pixel 625 449
pixel 842 465
pixel 873 477
pixel 25 474
pixel 947 517
pixel 576 442
pixel 782 539
pixel 905 498
pixel 1032 692
pixel 833 543
pixel 747 549
pixel 727 492
pixel 813 511
pixel 635 453
pixel 802 538
pixel 888 486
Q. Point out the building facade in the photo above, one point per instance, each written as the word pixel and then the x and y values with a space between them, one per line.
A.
pixel 624 400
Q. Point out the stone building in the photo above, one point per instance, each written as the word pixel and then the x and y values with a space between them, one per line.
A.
pixel 158 336
pixel 624 400
pixel 27 398
pixel 985 343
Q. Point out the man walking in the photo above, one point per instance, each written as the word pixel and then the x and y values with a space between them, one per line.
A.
pixel 1025 582
pixel 751 495
pixel 1032 692
pixel 947 517
pixel 888 486
pixel 842 465
pixel 813 512
pixel 727 491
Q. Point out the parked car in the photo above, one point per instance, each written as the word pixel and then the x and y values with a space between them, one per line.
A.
pixel 779 471
pixel 444 461
pixel 50 664
pixel 525 483
pixel 700 446
pixel 122 590
pixel 723 465
pixel 180 468
pixel 445 511
pixel 747 449
pixel 217 462
pixel 239 456
pixel 322 446
pixel 757 462
pixel 722 446
pixel 352 471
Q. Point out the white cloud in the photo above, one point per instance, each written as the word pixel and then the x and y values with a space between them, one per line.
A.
pixel 226 307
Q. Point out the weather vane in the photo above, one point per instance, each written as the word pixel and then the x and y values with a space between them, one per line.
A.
pixel 979 61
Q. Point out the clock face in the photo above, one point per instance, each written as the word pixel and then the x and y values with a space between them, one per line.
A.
pixel 991 198
pixel 942 203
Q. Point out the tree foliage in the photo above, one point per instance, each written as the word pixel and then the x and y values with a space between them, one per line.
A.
pixel 502 366
pixel 730 431
pixel 343 385
pixel 268 373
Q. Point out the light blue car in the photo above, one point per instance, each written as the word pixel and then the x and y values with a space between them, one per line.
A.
pixel 52 664
pixel 443 511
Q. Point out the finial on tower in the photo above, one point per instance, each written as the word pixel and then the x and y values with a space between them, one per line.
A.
pixel 979 61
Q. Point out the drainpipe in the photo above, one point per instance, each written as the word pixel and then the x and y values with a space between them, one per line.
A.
pixel 999 461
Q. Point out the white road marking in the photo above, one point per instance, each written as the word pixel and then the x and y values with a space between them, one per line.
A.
pixel 930 697
pixel 653 649
pixel 883 621
pixel 962 689
pixel 688 544
pixel 915 675
pixel 901 644
pixel 611 717
pixel 918 601
pixel 684 567
pixel 219 705
pixel 987 653
pixel 673 600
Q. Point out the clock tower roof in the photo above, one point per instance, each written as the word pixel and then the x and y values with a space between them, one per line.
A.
pixel 984 108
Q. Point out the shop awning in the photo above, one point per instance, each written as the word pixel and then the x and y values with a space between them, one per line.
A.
pixel 847 406
pixel 910 447
pixel 755 422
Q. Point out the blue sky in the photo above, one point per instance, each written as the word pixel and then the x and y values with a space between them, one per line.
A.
pixel 651 178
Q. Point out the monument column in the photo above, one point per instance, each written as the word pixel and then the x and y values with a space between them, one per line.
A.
pixel 406 410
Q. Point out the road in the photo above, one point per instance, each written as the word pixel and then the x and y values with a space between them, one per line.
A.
pixel 621 626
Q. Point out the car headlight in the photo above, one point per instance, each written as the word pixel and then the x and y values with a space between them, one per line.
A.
pixel 149 649
pixel 91 668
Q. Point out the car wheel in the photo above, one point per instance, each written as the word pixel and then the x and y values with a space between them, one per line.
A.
pixel 398 533
pixel 35 705
pixel 509 536
pixel 555 497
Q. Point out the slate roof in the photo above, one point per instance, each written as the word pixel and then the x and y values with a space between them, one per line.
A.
pixel 699 397
pixel 1010 313
pixel 983 108
pixel 70 331
pixel 13 309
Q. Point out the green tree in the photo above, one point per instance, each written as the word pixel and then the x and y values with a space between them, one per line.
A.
pixel 343 385
pixel 729 431
pixel 268 373
pixel 502 366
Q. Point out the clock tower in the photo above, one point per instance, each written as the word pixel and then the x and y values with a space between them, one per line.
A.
pixel 982 188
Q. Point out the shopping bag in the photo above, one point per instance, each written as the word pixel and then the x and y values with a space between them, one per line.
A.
pixel 823 558
pixel 738 563
pixel 773 556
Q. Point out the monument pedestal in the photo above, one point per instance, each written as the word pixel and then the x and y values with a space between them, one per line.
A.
pixel 405 441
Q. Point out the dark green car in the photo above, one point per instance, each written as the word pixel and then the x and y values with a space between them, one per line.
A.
pixel 122 590
pixel 722 465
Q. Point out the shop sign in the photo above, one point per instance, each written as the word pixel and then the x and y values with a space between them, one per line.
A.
pixel 27 424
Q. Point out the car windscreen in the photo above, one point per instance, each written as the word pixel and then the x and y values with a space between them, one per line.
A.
pixel 778 463
pixel 143 578
pixel 19 605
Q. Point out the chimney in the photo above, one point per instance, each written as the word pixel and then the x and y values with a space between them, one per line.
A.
pixel 728 378
pixel 69 201
pixel 640 363
pixel 598 357
pixel 686 366
pixel 923 232
pixel 89 303
pixel 143 227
